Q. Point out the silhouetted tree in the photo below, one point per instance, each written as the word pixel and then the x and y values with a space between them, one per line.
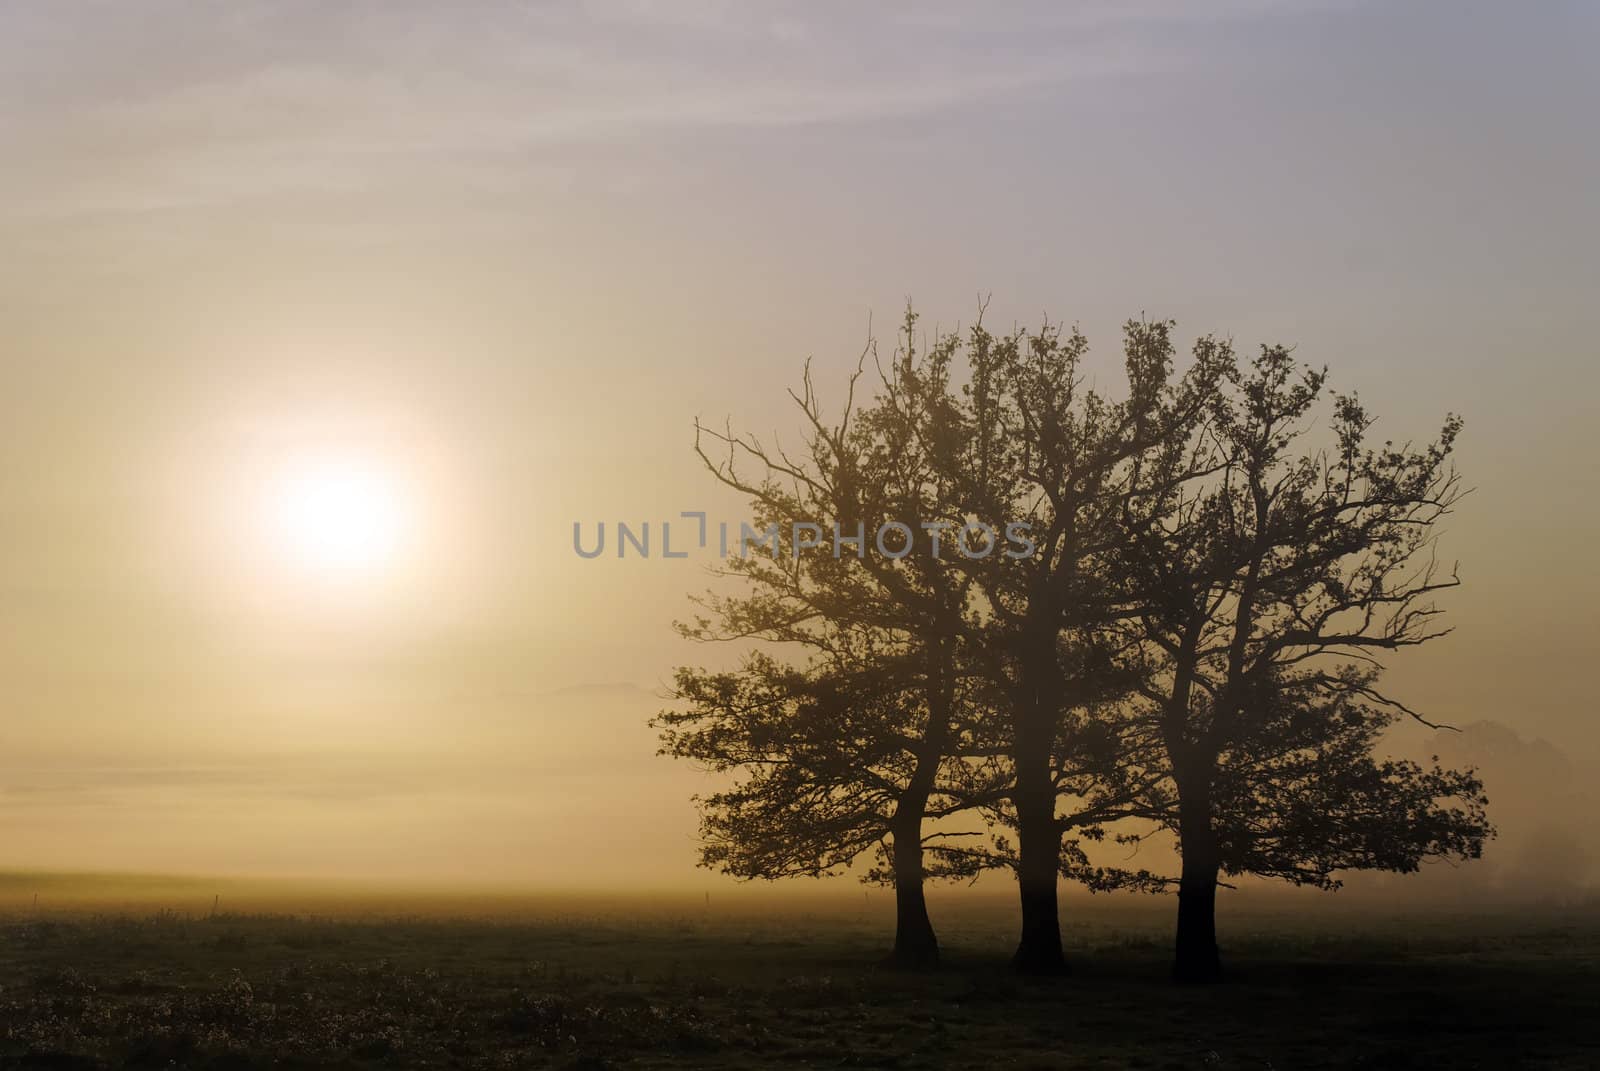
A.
pixel 1030 441
pixel 845 751
pixel 1272 582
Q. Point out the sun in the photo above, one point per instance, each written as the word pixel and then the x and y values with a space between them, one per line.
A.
pixel 339 517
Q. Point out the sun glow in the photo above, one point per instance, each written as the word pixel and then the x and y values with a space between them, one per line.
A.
pixel 340 518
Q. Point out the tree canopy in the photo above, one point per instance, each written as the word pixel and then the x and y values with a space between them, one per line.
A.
pixel 994 591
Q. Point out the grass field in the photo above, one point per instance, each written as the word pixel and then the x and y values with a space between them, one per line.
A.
pixel 658 982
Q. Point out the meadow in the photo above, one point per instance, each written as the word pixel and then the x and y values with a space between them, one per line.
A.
pixel 728 981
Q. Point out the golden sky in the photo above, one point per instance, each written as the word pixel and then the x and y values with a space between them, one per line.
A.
pixel 483 264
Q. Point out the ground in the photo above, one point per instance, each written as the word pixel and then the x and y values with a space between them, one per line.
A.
pixel 703 985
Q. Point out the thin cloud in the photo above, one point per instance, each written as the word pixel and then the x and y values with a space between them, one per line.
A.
pixel 290 98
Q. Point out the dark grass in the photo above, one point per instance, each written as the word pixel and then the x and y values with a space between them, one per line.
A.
pixel 736 989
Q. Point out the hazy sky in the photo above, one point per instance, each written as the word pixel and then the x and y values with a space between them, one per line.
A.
pixel 505 253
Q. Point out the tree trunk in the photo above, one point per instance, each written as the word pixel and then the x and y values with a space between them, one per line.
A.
pixel 1197 959
pixel 915 945
pixel 1038 866
pixel 1038 834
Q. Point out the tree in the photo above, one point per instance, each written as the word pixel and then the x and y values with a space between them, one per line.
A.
pixel 1030 441
pixel 847 751
pixel 1272 582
